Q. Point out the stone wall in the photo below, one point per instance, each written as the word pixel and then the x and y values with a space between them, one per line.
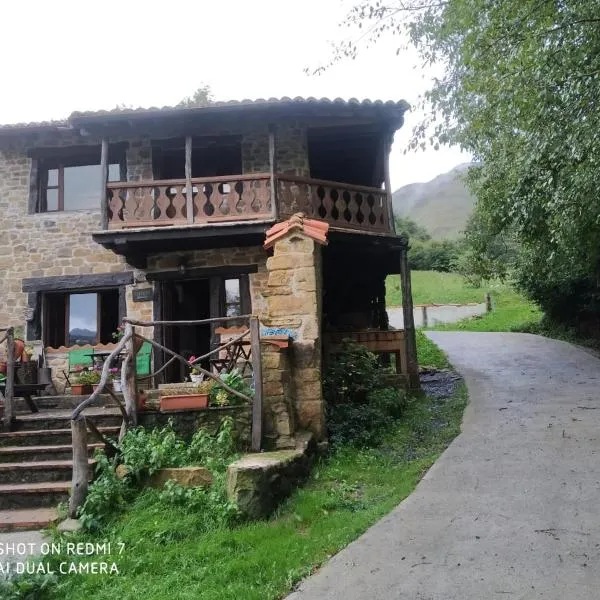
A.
pixel 278 395
pixel 293 294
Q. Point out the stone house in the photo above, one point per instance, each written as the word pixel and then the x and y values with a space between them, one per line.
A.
pixel 164 214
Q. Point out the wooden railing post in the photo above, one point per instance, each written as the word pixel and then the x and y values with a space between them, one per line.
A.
pixel 103 191
pixel 189 195
pixel 257 405
pixel 128 376
pixel 80 465
pixel 409 321
pixel 272 168
pixel 9 393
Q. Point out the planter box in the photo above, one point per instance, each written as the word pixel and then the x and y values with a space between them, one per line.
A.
pixel 80 389
pixel 183 402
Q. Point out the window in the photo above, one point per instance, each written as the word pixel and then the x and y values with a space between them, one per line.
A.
pixel 71 180
pixel 233 298
pixel 81 318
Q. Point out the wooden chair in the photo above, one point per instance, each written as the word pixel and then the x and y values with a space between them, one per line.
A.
pixel 233 354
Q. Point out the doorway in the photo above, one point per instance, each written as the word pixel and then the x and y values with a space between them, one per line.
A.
pixel 185 300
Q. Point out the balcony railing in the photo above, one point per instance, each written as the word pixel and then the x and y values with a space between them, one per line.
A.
pixel 244 198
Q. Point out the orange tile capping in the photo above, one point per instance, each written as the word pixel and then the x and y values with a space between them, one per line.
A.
pixel 281 341
pixel 317 230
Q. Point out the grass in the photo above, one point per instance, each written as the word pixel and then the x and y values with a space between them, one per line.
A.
pixel 349 491
pixel 428 354
pixel 511 311
pixel 433 287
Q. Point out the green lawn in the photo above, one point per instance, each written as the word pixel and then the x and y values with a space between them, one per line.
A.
pixel 165 556
pixel 510 310
pixel 433 287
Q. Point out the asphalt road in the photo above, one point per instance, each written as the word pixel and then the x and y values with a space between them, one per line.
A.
pixel 511 510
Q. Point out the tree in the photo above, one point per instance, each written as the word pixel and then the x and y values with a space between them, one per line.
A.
pixel 521 92
pixel 201 97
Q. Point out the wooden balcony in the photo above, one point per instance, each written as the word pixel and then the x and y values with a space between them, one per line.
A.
pixel 245 198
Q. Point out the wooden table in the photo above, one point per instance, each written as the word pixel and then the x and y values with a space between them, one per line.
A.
pixel 26 391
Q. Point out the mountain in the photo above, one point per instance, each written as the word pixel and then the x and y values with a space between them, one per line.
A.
pixel 82 336
pixel 441 205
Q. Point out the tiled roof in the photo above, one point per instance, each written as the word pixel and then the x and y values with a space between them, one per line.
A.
pixel 233 105
pixel 317 230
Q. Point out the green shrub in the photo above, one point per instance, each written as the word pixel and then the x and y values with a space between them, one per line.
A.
pixel 219 396
pixel 358 403
pixel 142 453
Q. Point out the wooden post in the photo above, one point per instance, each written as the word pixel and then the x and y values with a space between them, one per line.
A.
pixel 488 302
pixel 424 313
pixel 257 405
pixel 189 196
pixel 9 393
pixel 103 194
pixel 274 207
pixel 80 465
pixel 128 377
pixel 409 321
pixel 387 145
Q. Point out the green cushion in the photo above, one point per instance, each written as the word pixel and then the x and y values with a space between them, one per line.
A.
pixel 80 358
pixel 142 360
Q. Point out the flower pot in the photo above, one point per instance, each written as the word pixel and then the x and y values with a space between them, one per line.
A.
pixel 141 400
pixel 18 348
pixel 80 389
pixel 183 402
pixel 116 384
pixel 197 378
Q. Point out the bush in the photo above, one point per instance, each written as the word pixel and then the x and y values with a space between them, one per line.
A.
pixel 142 453
pixel 358 403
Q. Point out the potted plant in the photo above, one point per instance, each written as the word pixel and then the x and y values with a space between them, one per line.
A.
pixel 196 375
pixel 219 396
pixel 90 377
pixel 193 398
pixel 115 376
pixel 81 382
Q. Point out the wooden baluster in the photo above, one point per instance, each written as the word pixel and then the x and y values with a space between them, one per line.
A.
pixel 263 197
pixel 179 203
pixel 163 203
pixel 117 205
pixel 248 198
pixel 257 405
pixel 330 206
pixel 81 467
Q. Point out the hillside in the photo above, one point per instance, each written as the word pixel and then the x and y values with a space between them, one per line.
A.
pixel 441 205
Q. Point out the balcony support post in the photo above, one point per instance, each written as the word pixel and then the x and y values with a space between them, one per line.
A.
pixel 387 147
pixel 409 321
pixel 272 170
pixel 189 194
pixel 104 177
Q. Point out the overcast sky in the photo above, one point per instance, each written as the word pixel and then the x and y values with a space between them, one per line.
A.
pixel 68 55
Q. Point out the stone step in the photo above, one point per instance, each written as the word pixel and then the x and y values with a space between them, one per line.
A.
pixel 61 401
pixel 44 437
pixel 27 519
pixel 33 495
pixel 13 454
pixel 61 419
pixel 37 471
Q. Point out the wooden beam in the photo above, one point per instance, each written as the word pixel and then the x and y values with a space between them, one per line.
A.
pixel 272 171
pixel 257 405
pixel 409 322
pixel 128 376
pixel 387 146
pixel 9 392
pixel 60 283
pixel 80 465
pixel 104 181
pixel 201 272
pixel 189 196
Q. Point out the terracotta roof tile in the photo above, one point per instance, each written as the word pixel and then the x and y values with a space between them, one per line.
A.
pixel 317 230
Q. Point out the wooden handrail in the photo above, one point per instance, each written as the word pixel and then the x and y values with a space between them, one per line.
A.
pixel 192 322
pixel 336 184
pixel 156 182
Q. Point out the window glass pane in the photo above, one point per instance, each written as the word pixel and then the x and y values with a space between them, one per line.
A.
pixel 82 187
pixel 114 172
pixel 53 177
pixel 52 199
pixel 83 319
pixel 233 306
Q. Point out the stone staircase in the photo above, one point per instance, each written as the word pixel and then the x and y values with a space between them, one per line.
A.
pixel 36 459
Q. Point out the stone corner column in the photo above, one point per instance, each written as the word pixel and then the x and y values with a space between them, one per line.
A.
pixel 294 302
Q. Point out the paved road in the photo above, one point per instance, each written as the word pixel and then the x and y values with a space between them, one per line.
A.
pixel 511 511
